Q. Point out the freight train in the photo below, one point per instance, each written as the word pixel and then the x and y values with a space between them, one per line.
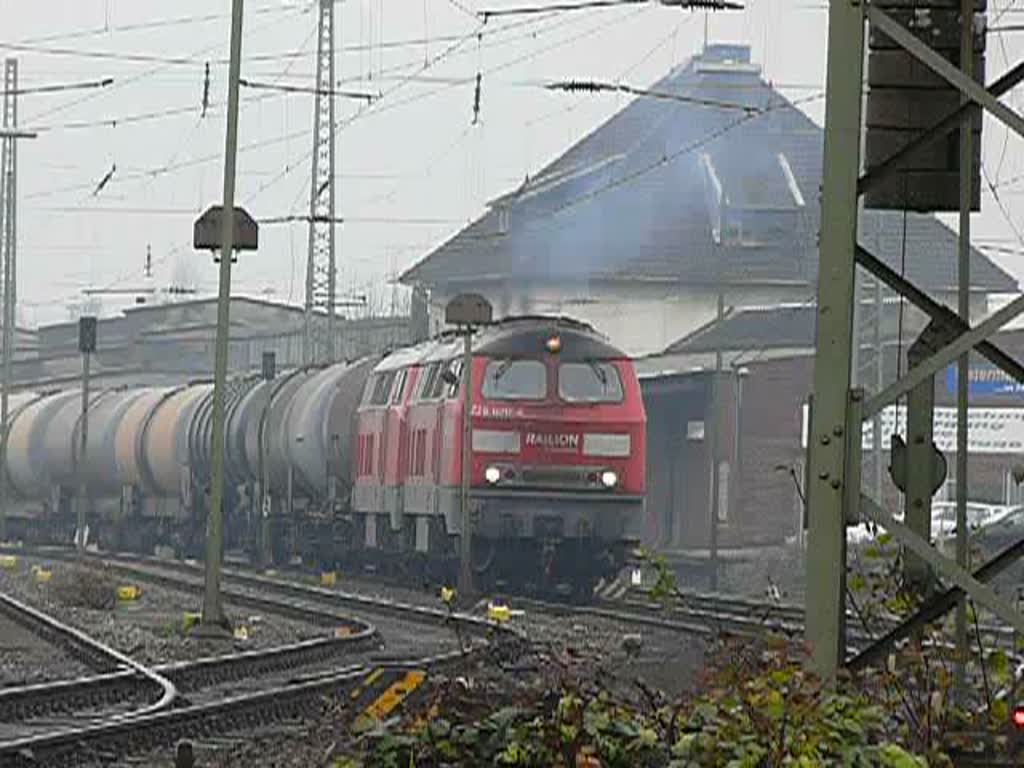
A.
pixel 359 463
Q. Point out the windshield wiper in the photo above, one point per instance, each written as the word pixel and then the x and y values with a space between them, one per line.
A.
pixel 599 372
pixel 501 370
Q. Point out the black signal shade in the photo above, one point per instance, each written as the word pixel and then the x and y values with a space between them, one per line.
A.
pixel 86 334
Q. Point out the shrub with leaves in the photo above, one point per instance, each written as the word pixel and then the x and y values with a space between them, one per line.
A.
pixel 757 707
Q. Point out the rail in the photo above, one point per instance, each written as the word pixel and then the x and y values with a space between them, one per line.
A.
pixel 76 638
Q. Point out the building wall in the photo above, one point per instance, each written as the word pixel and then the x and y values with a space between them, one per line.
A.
pixel 178 340
pixel 771 421
pixel 642 318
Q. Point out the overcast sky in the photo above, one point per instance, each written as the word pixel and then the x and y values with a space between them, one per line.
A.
pixel 412 169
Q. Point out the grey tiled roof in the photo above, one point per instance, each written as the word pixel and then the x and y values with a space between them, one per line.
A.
pixel 630 200
pixel 786 327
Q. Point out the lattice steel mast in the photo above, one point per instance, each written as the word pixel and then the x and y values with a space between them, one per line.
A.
pixel 321 270
pixel 8 238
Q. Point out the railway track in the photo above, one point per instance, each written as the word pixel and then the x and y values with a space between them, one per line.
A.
pixel 740 614
pixel 293 697
pixel 146 732
pixel 107 694
pixel 95 691
pixel 144 682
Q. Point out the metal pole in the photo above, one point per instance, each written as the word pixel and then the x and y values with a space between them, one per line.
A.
pixel 213 611
pixel 8 238
pixel 920 471
pixel 876 422
pixel 963 364
pixel 826 549
pixel 8 249
pixel 713 449
pixel 737 469
pixel 83 442
pixel 466 529
pixel 266 554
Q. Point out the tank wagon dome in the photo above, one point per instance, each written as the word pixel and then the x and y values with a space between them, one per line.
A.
pixel 27 465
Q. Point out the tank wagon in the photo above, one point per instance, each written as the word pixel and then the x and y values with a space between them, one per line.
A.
pixel 360 462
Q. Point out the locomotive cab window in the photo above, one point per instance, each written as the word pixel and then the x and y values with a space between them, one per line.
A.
pixel 428 378
pixel 439 386
pixel 515 380
pixel 396 395
pixel 450 380
pixel 589 382
pixel 382 388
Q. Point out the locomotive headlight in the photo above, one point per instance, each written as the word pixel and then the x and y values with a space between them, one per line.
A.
pixel 492 475
pixel 609 479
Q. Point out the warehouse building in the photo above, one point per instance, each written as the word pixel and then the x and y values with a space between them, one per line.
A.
pixel 174 342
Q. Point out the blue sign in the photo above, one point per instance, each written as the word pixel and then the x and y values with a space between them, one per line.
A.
pixel 985 381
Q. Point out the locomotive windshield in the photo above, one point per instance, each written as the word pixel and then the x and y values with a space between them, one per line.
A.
pixel 515 380
pixel 589 382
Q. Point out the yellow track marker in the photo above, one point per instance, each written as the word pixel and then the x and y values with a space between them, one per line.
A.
pixel 8 562
pixel 498 613
pixel 388 701
pixel 129 592
pixel 371 678
pixel 328 579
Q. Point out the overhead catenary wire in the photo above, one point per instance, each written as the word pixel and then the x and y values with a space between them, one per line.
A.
pixel 376 109
pixel 583 5
pixel 994 191
pixel 595 86
pixel 268 220
pixel 170 112
pixel 305 219
pixel 192 19
pixel 192 60
pixel 259 144
pixel 123 177
pixel 62 87
pixel 288 88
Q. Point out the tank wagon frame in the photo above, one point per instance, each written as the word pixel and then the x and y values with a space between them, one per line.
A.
pixel 359 463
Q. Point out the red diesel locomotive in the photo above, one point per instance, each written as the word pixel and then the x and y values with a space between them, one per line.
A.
pixel 558 466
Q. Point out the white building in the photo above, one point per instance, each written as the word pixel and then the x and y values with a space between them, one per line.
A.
pixel 713 188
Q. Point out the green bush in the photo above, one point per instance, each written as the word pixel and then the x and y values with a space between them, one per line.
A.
pixel 757 708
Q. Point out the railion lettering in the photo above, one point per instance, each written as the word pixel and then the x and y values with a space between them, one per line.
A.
pixel 553 441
